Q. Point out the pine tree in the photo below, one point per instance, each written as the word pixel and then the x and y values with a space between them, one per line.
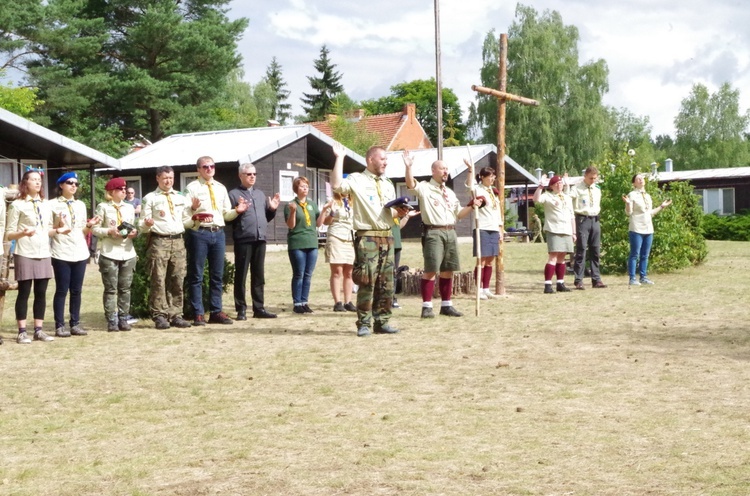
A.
pixel 281 111
pixel 319 104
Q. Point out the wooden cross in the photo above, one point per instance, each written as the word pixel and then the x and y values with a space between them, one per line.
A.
pixel 502 97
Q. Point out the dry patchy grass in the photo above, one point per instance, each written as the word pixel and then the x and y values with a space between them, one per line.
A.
pixel 602 392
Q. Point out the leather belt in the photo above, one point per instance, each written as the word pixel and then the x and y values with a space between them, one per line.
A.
pixel 211 228
pixel 442 228
pixel 167 236
pixel 378 234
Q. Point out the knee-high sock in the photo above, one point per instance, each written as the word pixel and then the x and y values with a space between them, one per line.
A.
pixel 486 276
pixel 560 272
pixel 428 289
pixel 446 288
pixel 549 271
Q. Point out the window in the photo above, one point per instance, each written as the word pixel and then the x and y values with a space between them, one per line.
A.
pixel 186 178
pixel 718 201
pixel 286 178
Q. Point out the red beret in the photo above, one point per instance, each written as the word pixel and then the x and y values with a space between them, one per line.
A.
pixel 554 180
pixel 115 183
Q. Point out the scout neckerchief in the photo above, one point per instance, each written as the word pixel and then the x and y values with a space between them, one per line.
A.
pixel 377 187
pixel 444 191
pixel 39 219
pixel 213 198
pixel 492 195
pixel 119 215
pixel 72 212
pixel 169 202
pixel 307 214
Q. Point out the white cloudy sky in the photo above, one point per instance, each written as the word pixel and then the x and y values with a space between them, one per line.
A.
pixel 655 49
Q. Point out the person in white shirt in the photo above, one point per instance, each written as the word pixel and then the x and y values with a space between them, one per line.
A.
pixel 587 204
pixel 70 254
pixel 560 225
pixel 640 209
pixel 490 226
pixel 30 224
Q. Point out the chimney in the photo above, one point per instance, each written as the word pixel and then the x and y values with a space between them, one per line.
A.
pixel 538 172
pixel 654 166
pixel 550 174
pixel 358 114
pixel 272 123
pixel 668 165
pixel 410 111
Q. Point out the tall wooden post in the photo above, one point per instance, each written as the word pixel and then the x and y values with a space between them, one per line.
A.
pixel 503 96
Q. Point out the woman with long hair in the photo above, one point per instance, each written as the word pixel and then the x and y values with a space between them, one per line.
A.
pixel 301 218
pixel 30 225
pixel 70 254
pixel 116 230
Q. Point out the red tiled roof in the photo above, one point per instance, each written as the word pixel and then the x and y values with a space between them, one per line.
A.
pixel 385 126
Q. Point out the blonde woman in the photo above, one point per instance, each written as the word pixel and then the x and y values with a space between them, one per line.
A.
pixel 30 225
pixel 116 230
pixel 70 254
pixel 560 225
pixel 337 215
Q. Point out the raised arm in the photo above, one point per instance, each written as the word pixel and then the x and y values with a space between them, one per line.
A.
pixel 411 183
pixel 337 175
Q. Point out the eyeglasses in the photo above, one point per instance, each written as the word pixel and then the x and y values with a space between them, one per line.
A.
pixel 250 173
pixel 208 167
pixel 71 183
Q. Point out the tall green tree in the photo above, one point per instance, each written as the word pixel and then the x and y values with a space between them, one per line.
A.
pixel 17 20
pixel 568 130
pixel 628 131
pixel 107 71
pixel 326 87
pixel 281 110
pixel 710 130
pixel 423 93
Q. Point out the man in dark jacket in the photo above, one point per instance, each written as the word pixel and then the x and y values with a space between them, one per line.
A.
pixel 249 233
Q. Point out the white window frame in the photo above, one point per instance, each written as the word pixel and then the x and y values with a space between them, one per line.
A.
pixel 187 178
pixel 704 200
pixel 13 166
pixel 138 181
pixel 286 178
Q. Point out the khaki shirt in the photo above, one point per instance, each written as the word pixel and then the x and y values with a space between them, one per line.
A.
pixel 114 247
pixel 200 189
pixel 641 221
pixel 3 191
pixel 71 247
pixel 342 225
pixel 558 213
pixel 367 204
pixel 437 209
pixel 490 218
pixel 23 214
pixel 587 200
pixel 167 219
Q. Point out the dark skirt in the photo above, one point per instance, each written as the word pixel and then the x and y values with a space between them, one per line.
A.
pixel 490 241
pixel 32 268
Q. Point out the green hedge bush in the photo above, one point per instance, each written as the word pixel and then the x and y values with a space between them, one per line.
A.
pixel 727 227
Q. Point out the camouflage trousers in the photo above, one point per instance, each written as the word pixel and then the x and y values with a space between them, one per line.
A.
pixel 166 262
pixel 117 277
pixel 373 272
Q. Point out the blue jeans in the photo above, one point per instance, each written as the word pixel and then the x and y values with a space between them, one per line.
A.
pixel 303 264
pixel 203 245
pixel 68 277
pixel 640 247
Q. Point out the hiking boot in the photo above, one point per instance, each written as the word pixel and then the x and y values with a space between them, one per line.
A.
pixel 548 289
pixel 562 288
pixel 427 313
pixel 199 320
pixel 61 332
pixel 363 331
pixel 180 322
pixel 349 307
pixel 123 325
pixel 598 284
pixel 23 338
pixel 219 318
pixel 450 312
pixel 339 307
pixel 77 330
pixel 579 285
pixel 385 329
pixel 112 326
pixel 42 336
pixel 646 280
pixel 160 322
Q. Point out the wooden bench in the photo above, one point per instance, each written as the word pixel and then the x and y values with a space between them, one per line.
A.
pixel 520 236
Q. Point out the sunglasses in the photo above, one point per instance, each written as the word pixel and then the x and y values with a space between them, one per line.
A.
pixel 250 173
pixel 121 189
pixel 208 167
pixel 71 183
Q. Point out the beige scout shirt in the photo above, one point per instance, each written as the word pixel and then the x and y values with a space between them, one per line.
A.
pixel 114 247
pixel 558 213
pixel 71 247
pixel 3 191
pixel 166 208
pixel 367 203
pixel 490 218
pixel 23 214
pixel 438 203
pixel 219 205
pixel 342 224
pixel 587 200
pixel 641 221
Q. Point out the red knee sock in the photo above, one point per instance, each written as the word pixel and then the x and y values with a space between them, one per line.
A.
pixel 560 272
pixel 486 276
pixel 428 289
pixel 446 289
pixel 549 271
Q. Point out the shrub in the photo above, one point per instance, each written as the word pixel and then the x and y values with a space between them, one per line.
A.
pixel 727 227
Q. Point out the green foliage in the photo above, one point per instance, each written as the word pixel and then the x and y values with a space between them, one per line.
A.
pixel 711 130
pixel 281 110
pixel 141 289
pixel 727 227
pixel 108 71
pixel 423 93
pixel 352 135
pixel 84 188
pixel 326 87
pixel 568 131
pixel 20 101
pixel 678 241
